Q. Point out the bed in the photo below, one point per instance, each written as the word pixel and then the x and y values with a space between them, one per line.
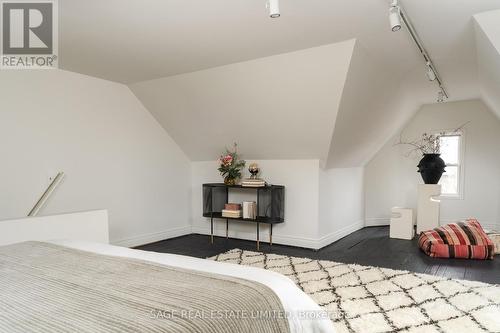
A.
pixel 85 286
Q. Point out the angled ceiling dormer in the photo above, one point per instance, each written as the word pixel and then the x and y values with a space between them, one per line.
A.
pixel 488 57
pixel 278 107
pixel 214 72
pixel 367 113
pixel 379 100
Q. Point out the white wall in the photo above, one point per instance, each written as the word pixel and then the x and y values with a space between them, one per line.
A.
pixel 391 178
pixel 341 203
pixel 300 178
pixel 114 153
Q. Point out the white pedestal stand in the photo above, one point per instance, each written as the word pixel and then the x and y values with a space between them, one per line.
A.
pixel 428 207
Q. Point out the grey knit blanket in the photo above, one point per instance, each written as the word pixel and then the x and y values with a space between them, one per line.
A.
pixel 50 288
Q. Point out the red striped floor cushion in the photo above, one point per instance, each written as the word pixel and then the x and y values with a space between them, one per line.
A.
pixel 457 240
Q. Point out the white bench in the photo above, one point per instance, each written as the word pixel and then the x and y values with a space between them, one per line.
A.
pixel 402 223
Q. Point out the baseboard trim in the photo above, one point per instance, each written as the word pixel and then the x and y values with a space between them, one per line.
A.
pixel 377 221
pixel 152 237
pixel 305 242
pixel 335 236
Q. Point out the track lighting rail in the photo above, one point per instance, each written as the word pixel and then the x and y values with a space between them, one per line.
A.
pixel 395 7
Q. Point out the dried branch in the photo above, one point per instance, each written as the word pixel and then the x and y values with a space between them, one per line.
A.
pixel 427 143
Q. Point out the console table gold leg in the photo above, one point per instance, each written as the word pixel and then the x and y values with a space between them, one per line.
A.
pixel 211 231
pixel 271 235
pixel 258 242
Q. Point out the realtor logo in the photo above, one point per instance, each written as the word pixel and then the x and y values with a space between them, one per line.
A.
pixel 29 34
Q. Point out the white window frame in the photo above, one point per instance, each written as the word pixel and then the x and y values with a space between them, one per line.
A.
pixel 460 165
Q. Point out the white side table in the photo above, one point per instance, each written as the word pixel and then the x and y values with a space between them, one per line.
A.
pixel 428 207
pixel 402 223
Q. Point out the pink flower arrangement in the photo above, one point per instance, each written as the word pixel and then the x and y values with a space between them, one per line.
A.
pixel 230 165
pixel 226 160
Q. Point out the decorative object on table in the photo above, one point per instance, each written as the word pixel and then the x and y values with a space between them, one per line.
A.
pixel 230 166
pixel 232 206
pixel 431 167
pixel 249 210
pixel 428 207
pixel 254 170
pixel 402 223
pixel 232 210
pixel 248 182
pixel 253 181
pixel 466 240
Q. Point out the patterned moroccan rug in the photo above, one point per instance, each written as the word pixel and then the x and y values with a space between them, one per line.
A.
pixel 368 299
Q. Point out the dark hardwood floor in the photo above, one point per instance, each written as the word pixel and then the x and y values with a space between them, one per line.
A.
pixel 369 246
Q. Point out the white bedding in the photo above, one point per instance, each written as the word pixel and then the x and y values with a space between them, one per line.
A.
pixel 297 304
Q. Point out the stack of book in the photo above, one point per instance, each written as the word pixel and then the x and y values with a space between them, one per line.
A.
pixel 253 182
pixel 249 210
pixel 232 210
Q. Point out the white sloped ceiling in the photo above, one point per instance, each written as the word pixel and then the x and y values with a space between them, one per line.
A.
pixel 369 112
pixel 214 72
pixel 278 107
pixel 488 57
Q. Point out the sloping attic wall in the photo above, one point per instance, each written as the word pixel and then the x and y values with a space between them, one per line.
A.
pixel 114 153
pixel 488 57
pixel 373 107
pixel 391 178
pixel 278 107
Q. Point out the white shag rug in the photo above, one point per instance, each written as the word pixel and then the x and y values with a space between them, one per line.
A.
pixel 368 299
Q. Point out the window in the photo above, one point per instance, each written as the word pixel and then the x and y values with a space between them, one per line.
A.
pixel 451 153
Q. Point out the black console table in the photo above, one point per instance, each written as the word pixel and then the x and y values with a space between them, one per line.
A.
pixel 270 206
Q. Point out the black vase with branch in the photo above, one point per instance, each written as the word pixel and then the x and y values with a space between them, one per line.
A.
pixel 431 167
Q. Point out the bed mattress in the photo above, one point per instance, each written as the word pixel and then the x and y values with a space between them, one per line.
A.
pixel 300 312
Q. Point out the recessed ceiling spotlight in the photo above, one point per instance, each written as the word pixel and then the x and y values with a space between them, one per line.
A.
pixel 431 75
pixel 395 16
pixel 441 97
pixel 274 8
